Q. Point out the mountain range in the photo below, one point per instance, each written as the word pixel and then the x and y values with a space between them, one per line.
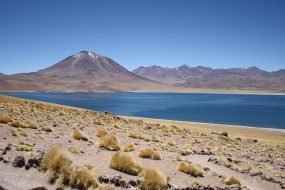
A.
pixel 87 71
pixel 251 79
pixel 83 72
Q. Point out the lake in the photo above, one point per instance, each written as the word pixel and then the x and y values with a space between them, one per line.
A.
pixel 236 109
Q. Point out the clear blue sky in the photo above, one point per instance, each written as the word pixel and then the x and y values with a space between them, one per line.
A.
pixel 35 34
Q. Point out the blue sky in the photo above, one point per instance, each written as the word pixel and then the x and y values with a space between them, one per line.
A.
pixel 217 33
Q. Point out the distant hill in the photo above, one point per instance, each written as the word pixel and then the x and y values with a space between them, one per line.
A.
pixel 83 72
pixel 251 78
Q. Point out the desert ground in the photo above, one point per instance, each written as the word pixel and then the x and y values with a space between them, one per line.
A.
pixel 49 146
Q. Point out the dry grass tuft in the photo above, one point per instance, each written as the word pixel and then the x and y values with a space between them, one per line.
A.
pixel 22 146
pixel 101 132
pixel 232 180
pixel 17 124
pixel 109 142
pixel 155 138
pixel 133 135
pixel 83 178
pixel 149 153
pixel 31 125
pixel 191 170
pixel 79 135
pixel 5 119
pixel 124 163
pixel 153 179
pixel 46 129
pixel 171 142
pixel 129 148
pixel 18 133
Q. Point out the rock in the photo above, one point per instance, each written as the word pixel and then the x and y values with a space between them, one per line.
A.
pixel 36 160
pixel 19 161
pixel 133 183
pixel 39 188
pixel 7 148
pixel 224 134
pixel 103 179
pixel 27 166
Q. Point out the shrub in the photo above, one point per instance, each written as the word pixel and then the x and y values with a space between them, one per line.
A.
pixel 18 133
pixel 129 148
pixel 22 146
pixel 17 124
pixel 124 163
pixel 83 178
pixel 46 128
pixel 191 170
pixel 5 119
pixel 78 135
pixel 31 125
pixel 109 142
pixel 133 135
pixel 171 142
pixel 155 138
pixel 149 153
pixel 153 179
pixel 232 180
pixel 59 169
pixel 101 132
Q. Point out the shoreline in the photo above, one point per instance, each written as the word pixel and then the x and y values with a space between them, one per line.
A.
pixel 174 92
pixel 205 123
pixel 263 134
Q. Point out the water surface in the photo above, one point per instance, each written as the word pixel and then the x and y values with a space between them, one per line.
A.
pixel 237 109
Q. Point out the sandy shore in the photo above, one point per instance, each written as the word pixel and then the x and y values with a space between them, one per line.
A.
pixel 264 134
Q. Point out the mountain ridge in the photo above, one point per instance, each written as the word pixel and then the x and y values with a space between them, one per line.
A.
pixel 85 71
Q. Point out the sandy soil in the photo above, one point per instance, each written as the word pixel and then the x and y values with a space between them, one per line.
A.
pixel 253 156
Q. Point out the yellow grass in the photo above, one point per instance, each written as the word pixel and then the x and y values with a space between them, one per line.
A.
pixel 129 148
pixel 149 153
pixel 79 135
pixel 124 163
pixel 83 178
pixel 5 119
pixel 153 179
pixel 101 132
pixel 232 180
pixel 191 170
pixel 109 142
pixel 171 142
pixel 18 133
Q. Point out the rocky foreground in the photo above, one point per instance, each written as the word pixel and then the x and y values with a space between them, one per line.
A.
pixel 48 146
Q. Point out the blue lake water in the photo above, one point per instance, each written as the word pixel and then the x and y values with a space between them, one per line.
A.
pixel 249 110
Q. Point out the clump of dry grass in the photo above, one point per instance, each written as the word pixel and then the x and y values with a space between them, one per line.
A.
pixel 5 119
pixel 83 178
pixel 17 124
pixel 171 142
pixel 129 148
pixel 178 157
pixel 133 135
pixel 155 138
pixel 149 153
pixel 191 170
pixel 31 125
pixel 18 133
pixel 124 163
pixel 46 128
pixel 232 180
pixel 60 170
pixel 109 142
pixel 153 179
pixel 22 146
pixel 79 135
pixel 101 132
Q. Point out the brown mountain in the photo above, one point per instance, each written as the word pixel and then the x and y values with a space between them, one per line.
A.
pixel 250 79
pixel 85 71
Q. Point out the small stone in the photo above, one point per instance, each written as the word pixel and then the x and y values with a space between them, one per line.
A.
pixel 133 183
pixel 19 161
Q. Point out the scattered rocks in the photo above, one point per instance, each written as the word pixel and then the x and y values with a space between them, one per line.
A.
pixel 117 181
pixel 19 161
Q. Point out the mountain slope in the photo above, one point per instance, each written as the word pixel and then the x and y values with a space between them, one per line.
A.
pixel 251 78
pixel 85 71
